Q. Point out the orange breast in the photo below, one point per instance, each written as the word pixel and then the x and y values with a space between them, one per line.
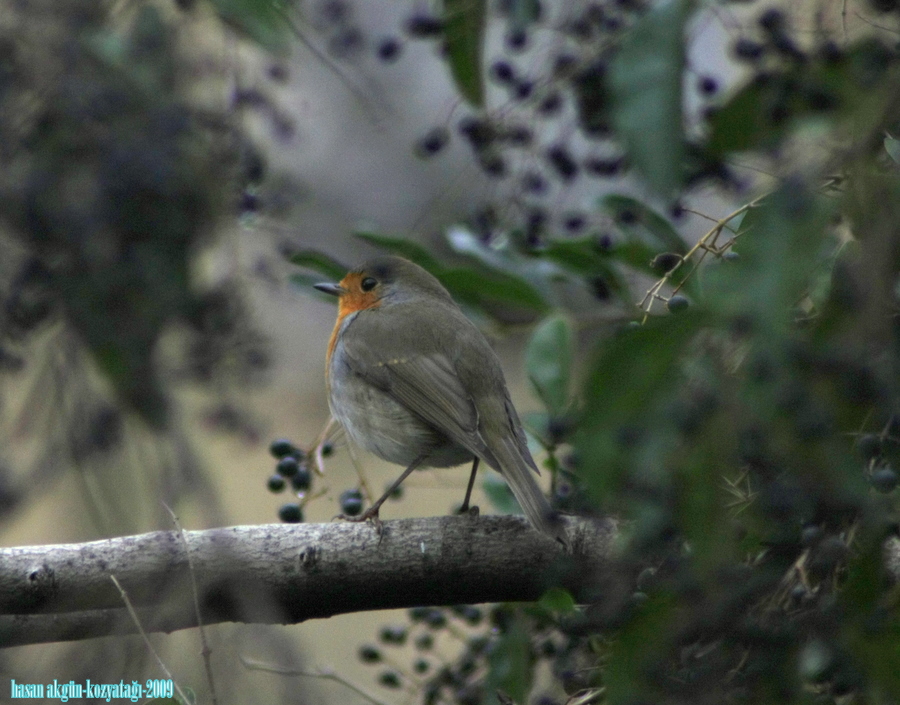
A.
pixel 352 300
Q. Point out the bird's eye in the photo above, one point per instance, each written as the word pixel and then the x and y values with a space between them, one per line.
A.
pixel 368 284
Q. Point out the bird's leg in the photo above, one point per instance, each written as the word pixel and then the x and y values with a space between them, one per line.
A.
pixel 464 509
pixel 372 512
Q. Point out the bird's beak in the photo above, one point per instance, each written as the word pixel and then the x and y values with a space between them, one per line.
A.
pixel 329 288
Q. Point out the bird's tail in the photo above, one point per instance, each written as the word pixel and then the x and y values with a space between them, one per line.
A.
pixel 520 476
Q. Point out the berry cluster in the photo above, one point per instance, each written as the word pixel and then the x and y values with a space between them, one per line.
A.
pixel 293 468
pixel 477 637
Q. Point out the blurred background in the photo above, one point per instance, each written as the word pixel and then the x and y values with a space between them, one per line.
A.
pixel 164 161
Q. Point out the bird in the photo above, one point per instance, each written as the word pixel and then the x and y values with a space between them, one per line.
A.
pixel 415 382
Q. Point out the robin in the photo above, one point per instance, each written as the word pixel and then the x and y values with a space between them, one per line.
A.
pixel 413 381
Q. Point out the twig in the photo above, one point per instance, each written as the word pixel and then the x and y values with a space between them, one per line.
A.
pixel 321 673
pixel 206 651
pixel 705 243
pixel 137 623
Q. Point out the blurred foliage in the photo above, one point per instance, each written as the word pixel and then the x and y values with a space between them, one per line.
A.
pixel 744 416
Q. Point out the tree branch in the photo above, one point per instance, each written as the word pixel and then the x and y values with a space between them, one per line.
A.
pixel 284 574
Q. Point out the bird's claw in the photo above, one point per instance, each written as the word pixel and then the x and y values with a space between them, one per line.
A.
pixel 367 515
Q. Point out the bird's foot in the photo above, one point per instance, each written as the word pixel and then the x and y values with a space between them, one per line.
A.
pixel 466 510
pixel 368 515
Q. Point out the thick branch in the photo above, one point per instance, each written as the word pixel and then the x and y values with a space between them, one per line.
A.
pixel 282 574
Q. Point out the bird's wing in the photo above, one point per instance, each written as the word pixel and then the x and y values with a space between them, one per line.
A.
pixel 428 386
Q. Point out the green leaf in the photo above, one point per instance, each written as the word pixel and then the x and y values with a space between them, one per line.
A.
pixel 645 82
pixel 583 258
pixel 312 259
pixel 404 248
pixel 632 372
pixel 480 289
pixel 645 224
pixel 637 256
pixel 557 600
pixel 765 109
pixel 464 25
pixel 784 241
pixel 511 667
pixel 637 650
pixel 548 361
pixel 264 21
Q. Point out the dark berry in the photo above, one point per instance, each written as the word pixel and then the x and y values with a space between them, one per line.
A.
pixel 820 99
pixel 351 502
pixel 388 49
pixel 389 679
pixel 480 133
pixel 346 43
pixel 396 493
pixel 830 53
pixel 276 483
pixel 534 226
pixel 369 654
pixel 477 645
pixel 772 20
pixel 302 481
pixel 534 183
pixel 626 216
pixel 605 242
pixel 278 72
pixel 472 615
pixel 290 513
pixel 574 222
pixel 518 136
pixel 595 166
pixel 523 89
pixel 548 648
pixel 502 72
pixel 395 635
pixel 786 46
pixel 676 211
pixel 666 261
pixel 677 303
pixel 433 142
pixel 869 446
pixel 884 6
pixel 884 479
pixel 288 467
pixel 612 24
pixel 731 256
pixel 748 50
pixel 550 104
pixel 421 666
pixel 707 85
pixel 560 159
pixel 419 614
pixel 334 11
pixel 564 65
pixel 516 40
pixel 327 449
pixel 423 26
pixel 436 619
pixel 492 164
pixel 281 447
pixel 600 288
pixel 249 203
